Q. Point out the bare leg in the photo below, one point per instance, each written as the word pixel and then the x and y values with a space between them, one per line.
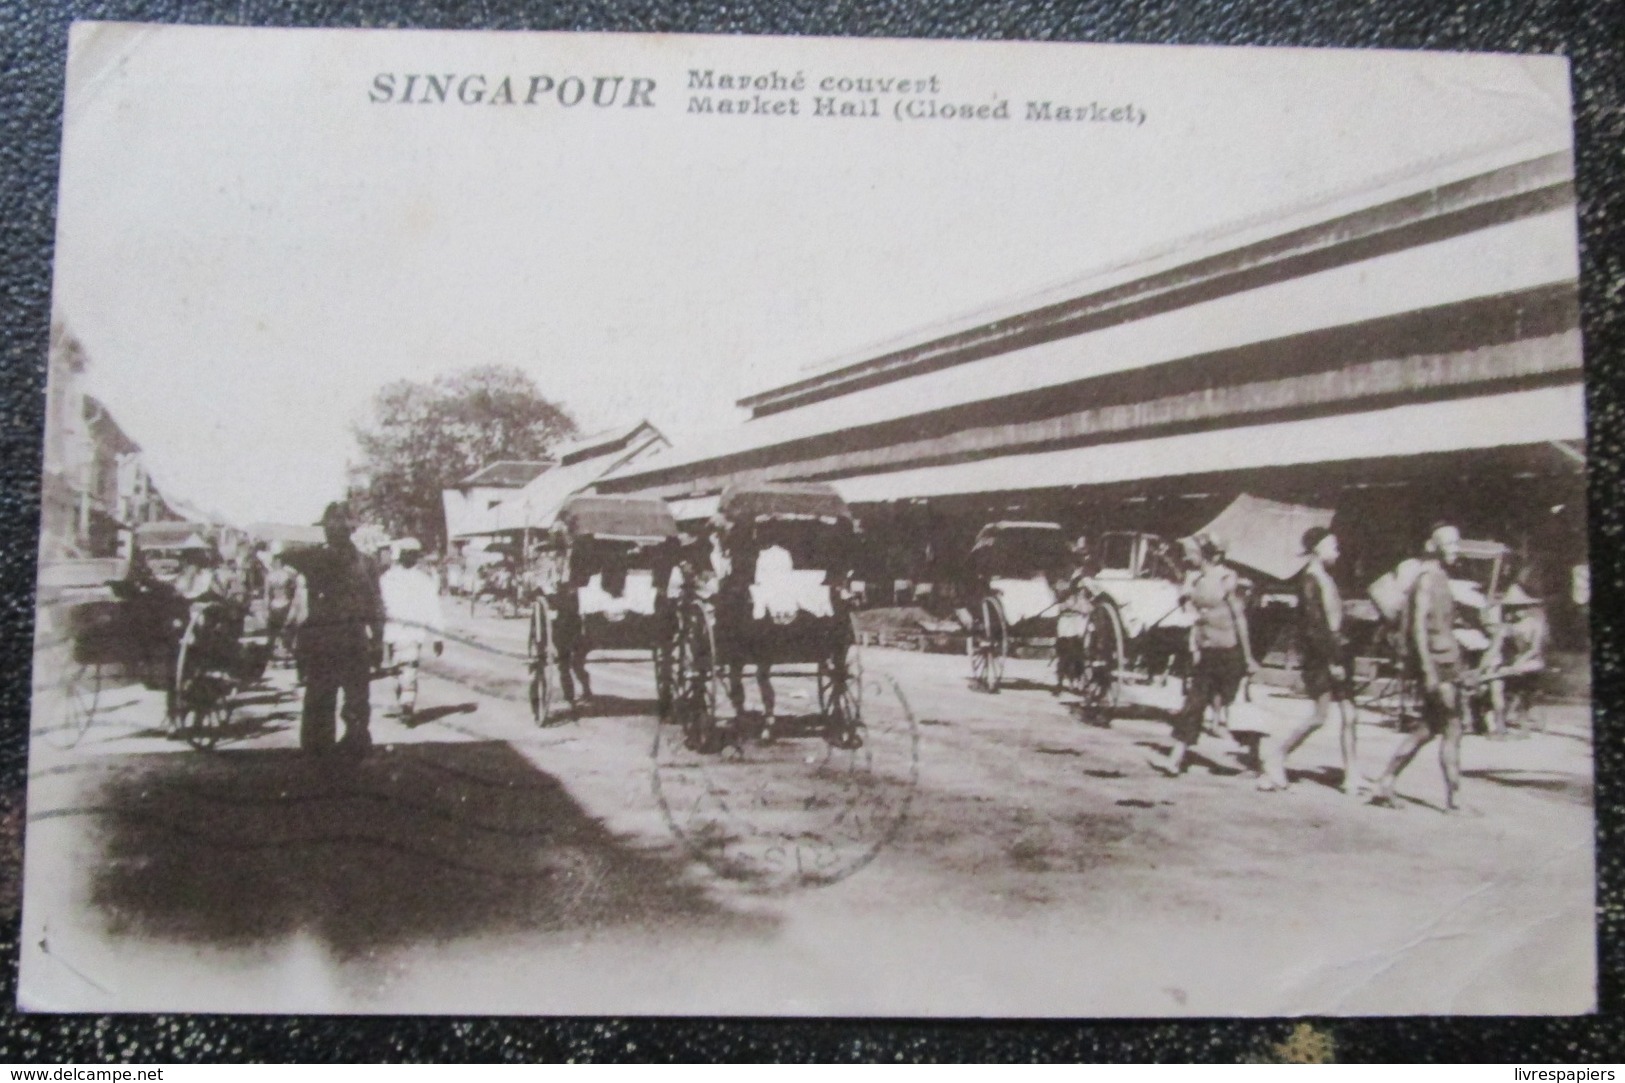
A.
pixel 1409 746
pixel 1174 762
pixel 764 685
pixel 1275 755
pixel 578 662
pixel 1348 739
pixel 1187 729
pixel 1450 746
pixel 566 651
pixel 1316 719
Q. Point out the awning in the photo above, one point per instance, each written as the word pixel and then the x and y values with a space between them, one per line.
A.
pixel 171 534
pixel 1490 421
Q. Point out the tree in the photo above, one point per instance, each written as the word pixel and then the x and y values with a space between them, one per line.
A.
pixel 423 438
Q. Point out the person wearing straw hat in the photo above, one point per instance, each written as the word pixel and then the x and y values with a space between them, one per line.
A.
pixel 197 579
pixel 1323 659
pixel 1516 657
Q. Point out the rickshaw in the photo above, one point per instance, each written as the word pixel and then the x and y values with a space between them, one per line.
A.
pixel 137 629
pixel 1024 577
pixel 213 662
pixel 1137 617
pixel 769 593
pixel 600 585
pixel 99 632
pixel 495 582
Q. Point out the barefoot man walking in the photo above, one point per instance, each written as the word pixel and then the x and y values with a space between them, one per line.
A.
pixel 1324 662
pixel 1436 656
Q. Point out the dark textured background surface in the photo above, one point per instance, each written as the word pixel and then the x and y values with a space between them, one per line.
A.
pixel 32 44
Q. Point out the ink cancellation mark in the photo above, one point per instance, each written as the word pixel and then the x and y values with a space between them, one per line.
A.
pixel 795 812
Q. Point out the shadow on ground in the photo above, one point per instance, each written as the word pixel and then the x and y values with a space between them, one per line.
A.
pixel 417 843
pixel 1577 790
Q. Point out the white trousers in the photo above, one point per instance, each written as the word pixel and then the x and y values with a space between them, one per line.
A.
pixel 404 658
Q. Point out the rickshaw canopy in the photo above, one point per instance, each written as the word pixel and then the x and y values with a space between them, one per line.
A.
pixel 625 518
pixel 1029 533
pixel 785 500
pixel 1020 548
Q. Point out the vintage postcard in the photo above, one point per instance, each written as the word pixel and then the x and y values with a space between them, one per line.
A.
pixel 553 523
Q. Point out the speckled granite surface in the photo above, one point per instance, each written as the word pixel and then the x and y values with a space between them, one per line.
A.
pixel 1590 32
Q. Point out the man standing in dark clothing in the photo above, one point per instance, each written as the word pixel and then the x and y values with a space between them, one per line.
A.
pixel 341 635
pixel 1323 660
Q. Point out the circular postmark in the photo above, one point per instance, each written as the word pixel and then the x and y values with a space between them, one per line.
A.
pixel 799 810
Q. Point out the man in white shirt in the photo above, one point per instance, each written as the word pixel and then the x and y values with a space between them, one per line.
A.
pixel 412 617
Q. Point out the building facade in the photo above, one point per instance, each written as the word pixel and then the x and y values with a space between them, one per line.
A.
pixel 95 487
pixel 1402 354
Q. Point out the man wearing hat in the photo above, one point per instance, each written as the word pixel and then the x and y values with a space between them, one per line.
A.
pixel 341 634
pixel 196 580
pixel 412 617
pixel 1516 656
pixel 1323 660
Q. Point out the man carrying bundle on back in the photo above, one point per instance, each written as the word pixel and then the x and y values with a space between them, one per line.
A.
pixel 1434 654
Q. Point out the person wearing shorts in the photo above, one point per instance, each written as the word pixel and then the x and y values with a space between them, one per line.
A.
pixel 1221 655
pixel 1434 653
pixel 1324 663
pixel 1515 660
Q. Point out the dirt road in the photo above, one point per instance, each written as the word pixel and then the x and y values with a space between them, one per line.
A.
pixel 990 854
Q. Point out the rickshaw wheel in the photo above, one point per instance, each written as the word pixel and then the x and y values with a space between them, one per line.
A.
pixel 1391 691
pixel 663 682
pixel 81 692
pixel 206 721
pixel 201 706
pixel 538 654
pixel 694 695
pixel 840 695
pixel 989 646
pixel 1100 686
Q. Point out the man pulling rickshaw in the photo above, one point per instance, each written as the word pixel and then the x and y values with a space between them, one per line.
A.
pixel 775 594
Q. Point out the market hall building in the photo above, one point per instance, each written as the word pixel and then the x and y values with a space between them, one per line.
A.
pixel 1403 355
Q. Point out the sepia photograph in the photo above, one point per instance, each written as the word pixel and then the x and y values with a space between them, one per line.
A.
pixel 562 523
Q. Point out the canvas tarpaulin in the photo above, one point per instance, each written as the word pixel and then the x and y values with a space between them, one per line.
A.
pixel 1266 535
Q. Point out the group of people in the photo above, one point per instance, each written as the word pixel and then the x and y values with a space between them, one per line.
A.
pixel 1451 684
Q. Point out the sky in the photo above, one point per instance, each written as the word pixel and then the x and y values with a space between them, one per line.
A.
pixel 249 247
